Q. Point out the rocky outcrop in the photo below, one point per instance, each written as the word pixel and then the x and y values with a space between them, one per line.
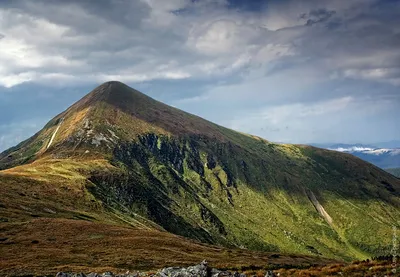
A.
pixel 154 181
pixel 200 270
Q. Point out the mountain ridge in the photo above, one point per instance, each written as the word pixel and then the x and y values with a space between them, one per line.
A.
pixel 120 157
pixel 382 157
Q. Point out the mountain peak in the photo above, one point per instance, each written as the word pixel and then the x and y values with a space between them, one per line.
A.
pixel 113 82
pixel 112 87
pixel 110 114
pixel 115 100
pixel 113 92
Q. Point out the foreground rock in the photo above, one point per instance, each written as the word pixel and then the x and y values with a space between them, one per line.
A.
pixel 200 270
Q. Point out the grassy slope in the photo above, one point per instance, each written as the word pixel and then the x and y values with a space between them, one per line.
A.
pixel 198 179
pixel 365 268
pixel 49 222
pixel 264 205
pixel 52 245
pixel 264 215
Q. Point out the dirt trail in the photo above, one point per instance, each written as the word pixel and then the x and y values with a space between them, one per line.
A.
pixel 357 252
pixel 54 134
pixel 319 207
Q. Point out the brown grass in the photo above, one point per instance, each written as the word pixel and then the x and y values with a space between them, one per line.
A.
pixel 362 269
pixel 45 246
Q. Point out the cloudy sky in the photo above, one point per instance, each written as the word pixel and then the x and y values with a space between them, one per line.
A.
pixel 289 71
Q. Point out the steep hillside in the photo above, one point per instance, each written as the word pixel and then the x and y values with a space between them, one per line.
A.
pixel 120 157
pixel 110 114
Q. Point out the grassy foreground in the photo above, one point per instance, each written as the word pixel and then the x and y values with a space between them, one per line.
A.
pixel 45 246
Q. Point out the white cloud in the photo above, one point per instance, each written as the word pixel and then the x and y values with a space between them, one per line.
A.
pixel 391 75
pixel 11 80
pixel 222 37
pixel 191 39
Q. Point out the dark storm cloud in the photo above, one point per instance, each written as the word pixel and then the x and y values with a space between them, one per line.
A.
pixel 317 16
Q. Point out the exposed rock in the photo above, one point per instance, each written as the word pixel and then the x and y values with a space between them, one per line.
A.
pixel 113 134
pixel 201 270
pixel 215 272
pixel 62 274
pixel 270 274
pixel 223 274
pixel 50 211
pixel 211 162
pixel 98 138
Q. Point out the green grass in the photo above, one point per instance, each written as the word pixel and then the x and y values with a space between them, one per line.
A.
pixel 258 200
pixel 169 170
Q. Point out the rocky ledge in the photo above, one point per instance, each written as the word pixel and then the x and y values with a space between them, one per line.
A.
pixel 200 270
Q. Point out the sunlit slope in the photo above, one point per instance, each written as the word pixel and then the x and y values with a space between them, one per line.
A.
pixel 50 222
pixel 257 195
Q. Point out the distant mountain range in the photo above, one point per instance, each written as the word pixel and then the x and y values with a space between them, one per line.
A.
pixel 383 157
